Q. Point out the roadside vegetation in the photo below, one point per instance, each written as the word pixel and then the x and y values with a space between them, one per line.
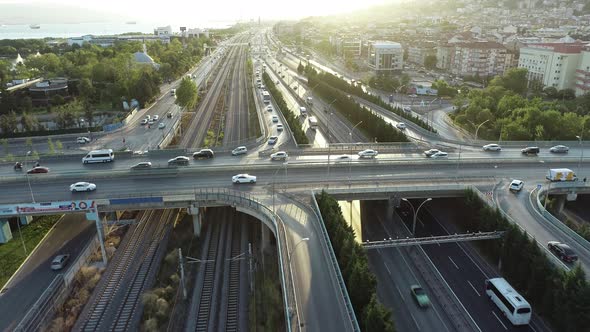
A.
pixel 12 253
pixel 563 298
pixel 253 123
pixel 187 94
pixel 510 111
pixel 352 259
pixel 372 125
pixel 99 80
pixel 291 118
pixel 336 83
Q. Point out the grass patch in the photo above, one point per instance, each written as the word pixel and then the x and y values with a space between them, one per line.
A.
pixel 12 254
pixel 253 123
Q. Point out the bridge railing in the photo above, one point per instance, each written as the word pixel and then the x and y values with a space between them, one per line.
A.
pixel 335 266
pixel 556 222
pixel 245 200
pixel 38 314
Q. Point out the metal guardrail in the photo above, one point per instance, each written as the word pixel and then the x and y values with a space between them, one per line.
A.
pixel 244 200
pixel 432 239
pixel 335 265
pixel 557 223
pixel 37 314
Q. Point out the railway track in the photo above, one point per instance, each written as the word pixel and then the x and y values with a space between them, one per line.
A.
pixel 119 290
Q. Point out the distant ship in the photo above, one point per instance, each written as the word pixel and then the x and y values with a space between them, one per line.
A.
pixel 131 22
pixel 35 26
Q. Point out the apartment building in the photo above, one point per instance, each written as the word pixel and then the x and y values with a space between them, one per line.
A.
pixel 385 57
pixel 552 64
pixel 583 73
pixel 483 59
pixel 348 46
pixel 418 53
pixel 443 56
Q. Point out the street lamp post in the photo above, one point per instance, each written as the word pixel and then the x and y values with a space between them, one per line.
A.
pixel 415 213
pixel 329 132
pixel 305 239
pixel 581 154
pixel 27 176
pixel 350 161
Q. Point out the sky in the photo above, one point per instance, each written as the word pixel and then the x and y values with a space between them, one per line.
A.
pixel 212 10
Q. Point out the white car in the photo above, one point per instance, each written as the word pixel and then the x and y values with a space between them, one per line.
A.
pixel 156 117
pixel 407 109
pixel 516 185
pixel 280 127
pixel 151 121
pixel 439 154
pixel 161 125
pixel 144 122
pixel 430 152
pixel 368 154
pixel 559 149
pixel 492 147
pixel 343 158
pixel 243 178
pixel 82 140
pixel 82 186
pixel 400 125
pixel 280 155
pixel 239 150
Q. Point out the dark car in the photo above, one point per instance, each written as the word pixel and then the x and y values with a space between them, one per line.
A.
pixel 38 169
pixel 204 154
pixel 530 150
pixel 563 251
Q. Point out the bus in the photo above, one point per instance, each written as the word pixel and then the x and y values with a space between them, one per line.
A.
pixel 512 304
pixel 266 97
pixel 99 156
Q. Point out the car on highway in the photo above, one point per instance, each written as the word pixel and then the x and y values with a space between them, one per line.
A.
pixel 342 158
pixel 407 109
pixel 243 178
pixel 559 149
pixel 413 96
pixel 492 147
pixel 148 117
pixel 151 121
pixel 368 153
pixel 280 155
pixel 59 262
pixel 38 169
pixel 563 251
pixel 530 150
pixel 269 108
pixel 239 150
pixel 400 125
pixel 273 140
pixel 161 125
pixel 275 119
pixel 439 155
pixel 82 186
pixel 169 115
pixel 82 140
pixel 144 122
pixel 516 185
pixel 179 161
pixel 280 127
pixel 156 117
pixel 420 296
pixel 142 165
pixel 430 152
pixel 204 154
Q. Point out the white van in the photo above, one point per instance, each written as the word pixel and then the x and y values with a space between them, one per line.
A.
pixel 99 156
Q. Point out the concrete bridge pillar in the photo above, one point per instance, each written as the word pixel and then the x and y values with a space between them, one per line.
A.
pixel 93 215
pixel 25 220
pixel 197 213
pixel 392 203
pixel 5 232
pixel 559 203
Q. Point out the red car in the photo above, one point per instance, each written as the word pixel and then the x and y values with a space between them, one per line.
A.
pixel 38 169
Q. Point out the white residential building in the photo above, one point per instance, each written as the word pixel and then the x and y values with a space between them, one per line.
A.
pixel 583 73
pixel 552 64
pixel 163 31
pixel 385 57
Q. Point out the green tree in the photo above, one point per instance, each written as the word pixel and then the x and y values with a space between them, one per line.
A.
pixel 29 143
pixel 187 94
pixel 4 142
pixel 57 100
pixel 430 61
pixel 27 104
pixel 405 80
pixel 377 317
pixel 59 146
pixel 514 79
pixel 8 122
pixel 29 122
pixel 86 89
pixel 300 68
pixel 50 146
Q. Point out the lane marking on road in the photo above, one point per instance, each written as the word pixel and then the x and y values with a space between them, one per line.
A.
pixel 498 318
pixel 415 321
pixel 400 294
pixel 453 262
pixel 387 268
pixel 474 289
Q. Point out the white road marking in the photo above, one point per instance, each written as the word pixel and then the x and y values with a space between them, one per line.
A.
pixel 400 293
pixel 453 262
pixel 415 321
pixel 498 318
pixel 475 290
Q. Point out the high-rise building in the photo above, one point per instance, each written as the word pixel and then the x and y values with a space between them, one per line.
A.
pixel 386 57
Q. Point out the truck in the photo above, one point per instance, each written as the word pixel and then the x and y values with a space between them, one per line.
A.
pixel 309 100
pixel 561 174
pixel 313 122
pixel 302 111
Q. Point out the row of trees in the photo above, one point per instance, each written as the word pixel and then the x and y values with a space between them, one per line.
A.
pixel 292 120
pixel 352 259
pixel 561 297
pixel 338 84
pixel 509 114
